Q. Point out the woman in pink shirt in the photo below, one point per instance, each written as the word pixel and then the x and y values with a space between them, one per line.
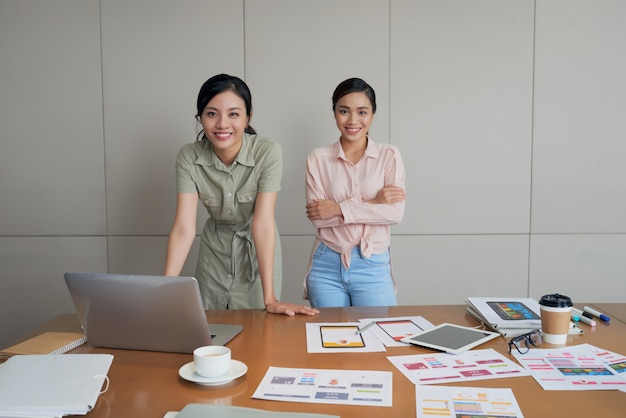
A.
pixel 354 193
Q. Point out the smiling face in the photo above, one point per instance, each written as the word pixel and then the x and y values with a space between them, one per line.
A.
pixel 224 121
pixel 354 115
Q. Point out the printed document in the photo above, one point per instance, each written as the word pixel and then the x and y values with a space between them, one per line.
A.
pixel 453 402
pixel 349 387
pixel 578 367
pixel 340 337
pixel 391 330
pixel 425 369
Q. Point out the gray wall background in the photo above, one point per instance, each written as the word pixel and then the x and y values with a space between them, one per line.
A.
pixel 509 116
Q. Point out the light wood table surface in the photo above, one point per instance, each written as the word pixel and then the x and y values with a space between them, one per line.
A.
pixel 613 310
pixel 147 384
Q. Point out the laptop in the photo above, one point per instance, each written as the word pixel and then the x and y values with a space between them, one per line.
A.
pixel 143 312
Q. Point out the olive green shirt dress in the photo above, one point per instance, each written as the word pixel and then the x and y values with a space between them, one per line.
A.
pixel 227 269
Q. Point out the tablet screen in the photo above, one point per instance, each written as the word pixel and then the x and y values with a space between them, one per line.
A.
pixel 451 338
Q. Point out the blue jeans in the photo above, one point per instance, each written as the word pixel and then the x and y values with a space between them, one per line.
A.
pixel 367 282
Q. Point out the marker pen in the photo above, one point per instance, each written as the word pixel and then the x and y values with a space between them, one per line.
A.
pixel 365 328
pixel 587 314
pixel 597 314
pixel 575 317
pixel 583 318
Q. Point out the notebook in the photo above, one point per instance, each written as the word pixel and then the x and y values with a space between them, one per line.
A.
pixel 506 312
pixel 142 312
pixel 48 343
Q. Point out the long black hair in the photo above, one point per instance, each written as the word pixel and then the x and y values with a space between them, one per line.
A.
pixel 219 84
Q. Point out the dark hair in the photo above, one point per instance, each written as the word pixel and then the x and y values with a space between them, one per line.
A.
pixel 219 84
pixel 354 85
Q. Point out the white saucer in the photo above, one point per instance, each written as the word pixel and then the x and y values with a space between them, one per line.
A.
pixel 237 369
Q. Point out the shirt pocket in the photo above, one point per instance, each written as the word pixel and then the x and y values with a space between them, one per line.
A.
pixel 245 203
pixel 212 204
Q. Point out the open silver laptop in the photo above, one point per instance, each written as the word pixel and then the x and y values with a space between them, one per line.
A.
pixel 142 312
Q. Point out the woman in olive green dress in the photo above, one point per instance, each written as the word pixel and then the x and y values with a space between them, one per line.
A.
pixel 236 174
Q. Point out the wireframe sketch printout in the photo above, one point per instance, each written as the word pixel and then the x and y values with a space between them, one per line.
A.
pixel 350 387
pixel 340 337
pixel 426 369
pixel 579 367
pixel 391 330
pixel 465 402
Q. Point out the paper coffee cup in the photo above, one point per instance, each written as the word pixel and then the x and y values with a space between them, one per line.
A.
pixel 211 360
pixel 556 315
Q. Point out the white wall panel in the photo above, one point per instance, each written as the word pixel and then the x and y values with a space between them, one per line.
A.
pixel 156 56
pixel 461 99
pixel 296 251
pixel 33 287
pixel 145 255
pixel 580 102
pixel 585 267
pixel 51 150
pixel 433 270
pixel 296 54
pixel 97 97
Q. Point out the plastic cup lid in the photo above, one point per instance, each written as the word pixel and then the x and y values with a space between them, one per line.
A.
pixel 555 300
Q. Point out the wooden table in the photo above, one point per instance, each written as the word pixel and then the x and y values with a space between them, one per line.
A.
pixel 147 384
pixel 613 310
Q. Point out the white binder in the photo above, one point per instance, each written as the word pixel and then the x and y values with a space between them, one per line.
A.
pixel 52 385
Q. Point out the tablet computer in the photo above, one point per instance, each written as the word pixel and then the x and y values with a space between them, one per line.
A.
pixel 453 339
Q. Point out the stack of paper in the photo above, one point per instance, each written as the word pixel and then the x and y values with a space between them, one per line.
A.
pixel 52 385
pixel 506 315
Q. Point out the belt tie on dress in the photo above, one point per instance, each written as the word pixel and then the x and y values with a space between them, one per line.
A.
pixel 249 244
pixel 247 236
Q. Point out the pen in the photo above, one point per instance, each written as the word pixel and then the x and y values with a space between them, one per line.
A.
pixel 575 317
pixel 587 314
pixel 583 318
pixel 365 328
pixel 597 314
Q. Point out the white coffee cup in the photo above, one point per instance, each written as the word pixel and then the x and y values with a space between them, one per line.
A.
pixel 211 360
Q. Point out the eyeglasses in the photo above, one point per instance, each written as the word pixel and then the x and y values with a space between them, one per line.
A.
pixel 532 338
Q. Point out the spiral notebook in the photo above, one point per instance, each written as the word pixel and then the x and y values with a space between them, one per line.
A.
pixel 48 343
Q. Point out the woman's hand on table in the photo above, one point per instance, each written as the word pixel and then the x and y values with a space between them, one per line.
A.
pixel 290 309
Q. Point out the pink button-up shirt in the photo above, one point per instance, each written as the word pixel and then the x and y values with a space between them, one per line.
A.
pixel 330 175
